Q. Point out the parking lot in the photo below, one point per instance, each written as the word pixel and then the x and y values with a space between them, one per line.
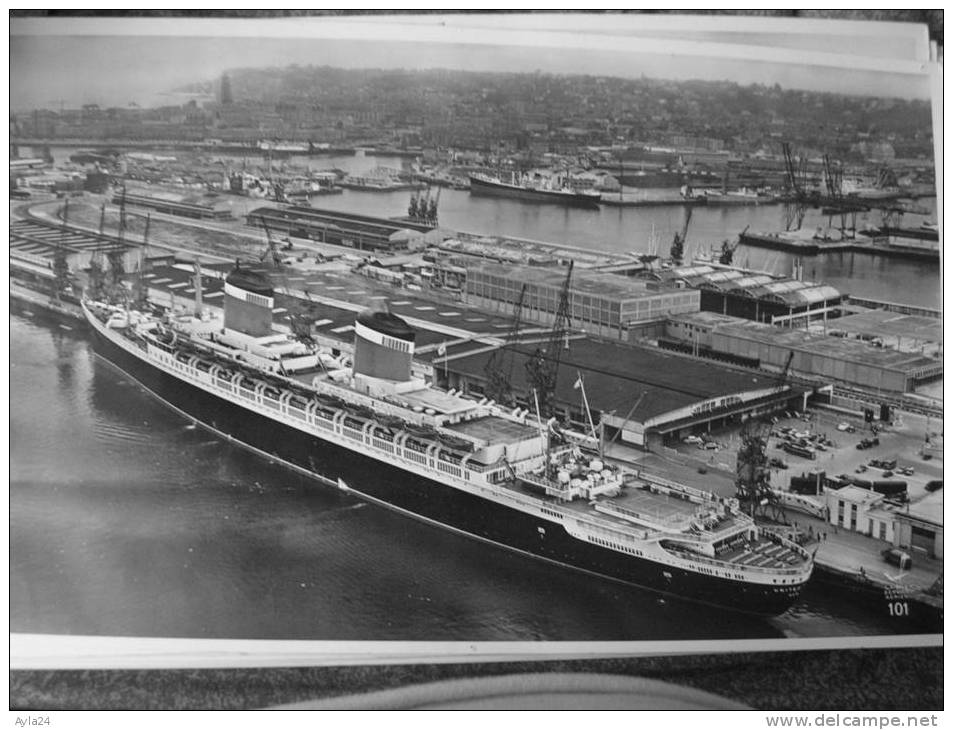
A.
pixel 835 451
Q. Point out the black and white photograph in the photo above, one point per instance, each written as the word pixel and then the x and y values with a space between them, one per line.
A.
pixel 590 356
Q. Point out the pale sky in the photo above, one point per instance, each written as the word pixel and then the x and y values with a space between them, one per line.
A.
pixel 64 62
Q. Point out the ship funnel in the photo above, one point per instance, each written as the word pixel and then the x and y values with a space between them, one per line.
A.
pixel 383 346
pixel 249 299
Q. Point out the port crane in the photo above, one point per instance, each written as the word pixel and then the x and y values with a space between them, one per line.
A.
pixel 727 254
pixel 752 473
pixel 499 368
pixel 796 169
pixel 836 202
pixel 423 208
pixel 543 366
pixel 677 251
pixel 61 273
pixel 300 324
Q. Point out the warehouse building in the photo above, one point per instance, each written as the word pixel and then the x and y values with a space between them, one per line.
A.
pixel 904 332
pixel 643 396
pixel 851 362
pixel 187 206
pixel 760 297
pixel 920 526
pixel 602 304
pixel 917 527
pixel 365 233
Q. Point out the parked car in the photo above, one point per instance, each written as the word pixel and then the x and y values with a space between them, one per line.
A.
pixel 934 484
pixel 692 439
pixel 860 469
pixel 898 557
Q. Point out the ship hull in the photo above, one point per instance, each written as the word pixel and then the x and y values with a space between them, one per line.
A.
pixel 434 502
pixel 479 186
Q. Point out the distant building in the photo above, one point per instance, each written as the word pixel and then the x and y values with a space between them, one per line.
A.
pixel 603 304
pixel 848 361
pixel 226 90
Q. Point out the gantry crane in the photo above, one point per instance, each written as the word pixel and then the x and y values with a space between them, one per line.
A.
pixel 753 476
pixel 499 368
pixel 542 367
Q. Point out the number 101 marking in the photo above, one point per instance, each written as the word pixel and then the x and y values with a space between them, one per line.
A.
pixel 898 608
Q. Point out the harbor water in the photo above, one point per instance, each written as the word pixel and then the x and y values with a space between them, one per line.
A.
pixel 127 519
pixel 651 229
pixel 627 229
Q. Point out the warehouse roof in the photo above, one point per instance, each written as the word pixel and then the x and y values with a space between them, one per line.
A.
pixel 617 374
pixel 583 282
pixel 844 349
pixel 881 323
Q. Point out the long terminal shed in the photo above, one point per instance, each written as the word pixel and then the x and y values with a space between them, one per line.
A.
pixel 649 395
pixel 348 229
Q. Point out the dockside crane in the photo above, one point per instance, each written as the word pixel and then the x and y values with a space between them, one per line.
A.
pixel 677 251
pixel 61 273
pixel 542 368
pixel 836 202
pixel 795 209
pixel 727 254
pixel 499 368
pixel 752 474
pixel 271 250
pixel 300 323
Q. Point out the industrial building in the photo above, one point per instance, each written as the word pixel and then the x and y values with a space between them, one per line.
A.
pixel 760 297
pixel 643 396
pixel 34 246
pixel 918 527
pixel 174 203
pixel 602 304
pixel 904 332
pixel 850 362
pixel 365 233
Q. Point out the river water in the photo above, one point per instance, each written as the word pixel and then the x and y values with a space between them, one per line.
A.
pixel 127 520
pixel 651 229
pixel 640 230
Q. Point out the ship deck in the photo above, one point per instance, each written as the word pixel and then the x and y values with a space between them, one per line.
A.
pixel 657 509
pixel 494 429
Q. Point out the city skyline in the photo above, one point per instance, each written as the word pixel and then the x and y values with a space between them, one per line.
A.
pixel 129 63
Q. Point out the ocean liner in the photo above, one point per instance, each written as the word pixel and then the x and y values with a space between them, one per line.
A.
pixel 360 418
pixel 540 190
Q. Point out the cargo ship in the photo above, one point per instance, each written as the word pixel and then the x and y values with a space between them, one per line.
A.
pixel 539 190
pixel 361 417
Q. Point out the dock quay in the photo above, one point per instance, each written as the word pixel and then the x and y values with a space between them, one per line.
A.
pixel 808 245
pixel 846 558
pixel 866 303
pixel 712 201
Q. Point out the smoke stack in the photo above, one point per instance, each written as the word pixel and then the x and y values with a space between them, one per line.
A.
pixel 198 288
